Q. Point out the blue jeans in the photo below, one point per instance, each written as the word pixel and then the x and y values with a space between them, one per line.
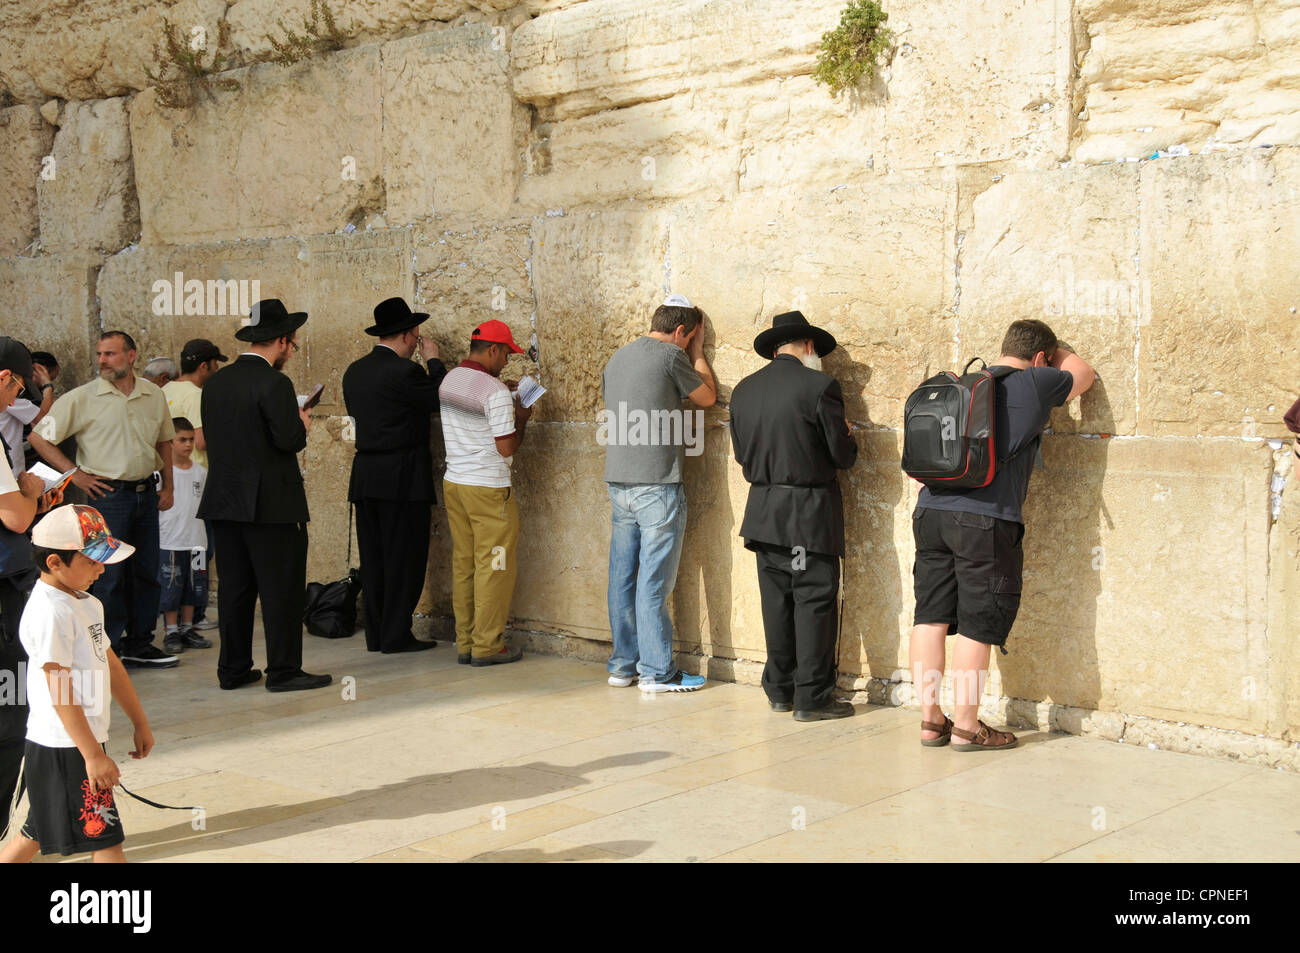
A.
pixel 183 582
pixel 129 590
pixel 644 550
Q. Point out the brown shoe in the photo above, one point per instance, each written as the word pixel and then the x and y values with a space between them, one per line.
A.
pixel 986 739
pixel 501 658
pixel 945 733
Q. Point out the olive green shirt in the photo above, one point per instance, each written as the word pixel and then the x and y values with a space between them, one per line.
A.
pixel 116 434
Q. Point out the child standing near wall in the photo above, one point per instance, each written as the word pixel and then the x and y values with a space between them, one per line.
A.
pixel 183 546
pixel 71 672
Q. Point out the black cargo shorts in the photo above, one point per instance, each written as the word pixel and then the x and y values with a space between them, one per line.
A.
pixel 967 573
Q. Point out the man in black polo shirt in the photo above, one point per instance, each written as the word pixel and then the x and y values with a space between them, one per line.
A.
pixel 968 542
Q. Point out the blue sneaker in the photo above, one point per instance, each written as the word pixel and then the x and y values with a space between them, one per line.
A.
pixel 681 682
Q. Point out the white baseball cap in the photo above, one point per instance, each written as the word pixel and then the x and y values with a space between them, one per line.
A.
pixel 80 529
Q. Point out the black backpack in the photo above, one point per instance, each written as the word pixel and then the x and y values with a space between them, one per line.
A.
pixel 948 438
pixel 331 607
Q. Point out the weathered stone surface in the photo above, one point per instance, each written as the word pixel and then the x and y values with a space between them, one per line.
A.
pixel 597 280
pixel 293 151
pixel 87 49
pixel 49 305
pixel 1219 247
pixel 1283 688
pixel 938 101
pixel 1207 74
pixel 1110 529
pixel 337 279
pixel 450 125
pixel 872 265
pixel 90 203
pixel 25 139
pixel 1061 247
pixel 469 275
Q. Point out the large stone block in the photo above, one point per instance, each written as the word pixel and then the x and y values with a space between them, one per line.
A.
pixel 89 202
pixel 610 53
pixel 293 151
pixel 1219 248
pixel 25 139
pixel 252 22
pixel 873 265
pixel 597 280
pixel 49 305
pixel 1061 247
pixel 1134 601
pixel 469 275
pixel 1208 74
pixel 336 279
pixel 89 49
pixel 452 131
pixel 1283 687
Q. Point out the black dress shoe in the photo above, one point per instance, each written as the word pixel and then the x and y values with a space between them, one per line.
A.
pixel 248 678
pixel 826 712
pixel 415 645
pixel 780 706
pixel 299 683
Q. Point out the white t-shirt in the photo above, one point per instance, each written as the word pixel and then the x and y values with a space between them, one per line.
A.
pixel 12 421
pixel 69 630
pixel 8 482
pixel 476 408
pixel 179 528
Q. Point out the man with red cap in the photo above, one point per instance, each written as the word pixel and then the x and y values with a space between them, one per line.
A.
pixel 482 428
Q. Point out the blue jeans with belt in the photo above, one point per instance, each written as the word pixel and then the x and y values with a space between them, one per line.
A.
pixel 645 548
pixel 129 590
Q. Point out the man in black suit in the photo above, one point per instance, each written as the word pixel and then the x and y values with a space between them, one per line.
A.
pixel 390 398
pixel 790 436
pixel 255 500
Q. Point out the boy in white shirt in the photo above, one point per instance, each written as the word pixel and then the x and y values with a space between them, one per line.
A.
pixel 71 671
pixel 183 545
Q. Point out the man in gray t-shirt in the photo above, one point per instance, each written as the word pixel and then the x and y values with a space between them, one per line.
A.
pixel 647 433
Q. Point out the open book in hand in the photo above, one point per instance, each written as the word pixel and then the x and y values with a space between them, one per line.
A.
pixel 529 391
pixel 53 479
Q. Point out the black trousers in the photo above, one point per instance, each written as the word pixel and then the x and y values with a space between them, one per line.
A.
pixel 14 591
pixel 393 537
pixel 799 595
pixel 267 560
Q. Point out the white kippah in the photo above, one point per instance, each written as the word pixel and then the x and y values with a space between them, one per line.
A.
pixel 678 301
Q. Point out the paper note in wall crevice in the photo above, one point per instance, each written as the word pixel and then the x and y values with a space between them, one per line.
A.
pixel 529 391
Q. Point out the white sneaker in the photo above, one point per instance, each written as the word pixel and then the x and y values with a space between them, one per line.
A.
pixel 621 681
pixel 205 624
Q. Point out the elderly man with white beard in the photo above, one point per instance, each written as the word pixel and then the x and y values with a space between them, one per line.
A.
pixel 790 437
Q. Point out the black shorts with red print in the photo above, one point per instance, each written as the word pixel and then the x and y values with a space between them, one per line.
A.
pixel 66 814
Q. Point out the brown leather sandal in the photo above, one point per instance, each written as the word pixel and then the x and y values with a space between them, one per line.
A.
pixel 945 733
pixel 986 739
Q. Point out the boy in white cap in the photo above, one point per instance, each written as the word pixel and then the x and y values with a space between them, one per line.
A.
pixel 645 432
pixel 70 777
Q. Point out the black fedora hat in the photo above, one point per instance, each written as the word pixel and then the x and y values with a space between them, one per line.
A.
pixel 270 319
pixel 792 326
pixel 392 316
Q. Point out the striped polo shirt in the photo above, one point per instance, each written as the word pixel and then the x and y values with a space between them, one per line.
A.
pixel 476 409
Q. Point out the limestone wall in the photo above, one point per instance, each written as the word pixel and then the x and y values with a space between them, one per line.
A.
pixel 562 164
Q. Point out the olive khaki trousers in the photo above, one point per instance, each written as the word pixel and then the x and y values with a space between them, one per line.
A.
pixel 484 525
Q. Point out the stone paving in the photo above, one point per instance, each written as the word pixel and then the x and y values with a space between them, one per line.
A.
pixel 542 761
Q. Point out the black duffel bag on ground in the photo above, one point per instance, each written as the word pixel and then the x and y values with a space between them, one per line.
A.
pixel 331 609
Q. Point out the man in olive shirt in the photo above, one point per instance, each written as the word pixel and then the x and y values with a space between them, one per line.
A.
pixel 117 476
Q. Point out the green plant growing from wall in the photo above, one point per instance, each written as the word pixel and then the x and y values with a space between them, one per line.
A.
pixel 321 34
pixel 182 67
pixel 853 49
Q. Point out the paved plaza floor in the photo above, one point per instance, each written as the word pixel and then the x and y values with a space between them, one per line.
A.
pixel 542 761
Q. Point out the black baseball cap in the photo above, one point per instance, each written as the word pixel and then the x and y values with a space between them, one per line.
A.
pixel 15 357
pixel 201 349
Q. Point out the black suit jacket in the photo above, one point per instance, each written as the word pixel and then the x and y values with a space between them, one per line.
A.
pixel 253 431
pixel 390 399
pixel 789 435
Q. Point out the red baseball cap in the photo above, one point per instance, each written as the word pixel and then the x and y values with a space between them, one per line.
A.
pixel 496 332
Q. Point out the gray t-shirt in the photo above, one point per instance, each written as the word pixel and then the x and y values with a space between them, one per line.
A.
pixel 644 427
pixel 1024 404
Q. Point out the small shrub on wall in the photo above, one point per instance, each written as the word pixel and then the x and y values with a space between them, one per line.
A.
pixel 852 51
